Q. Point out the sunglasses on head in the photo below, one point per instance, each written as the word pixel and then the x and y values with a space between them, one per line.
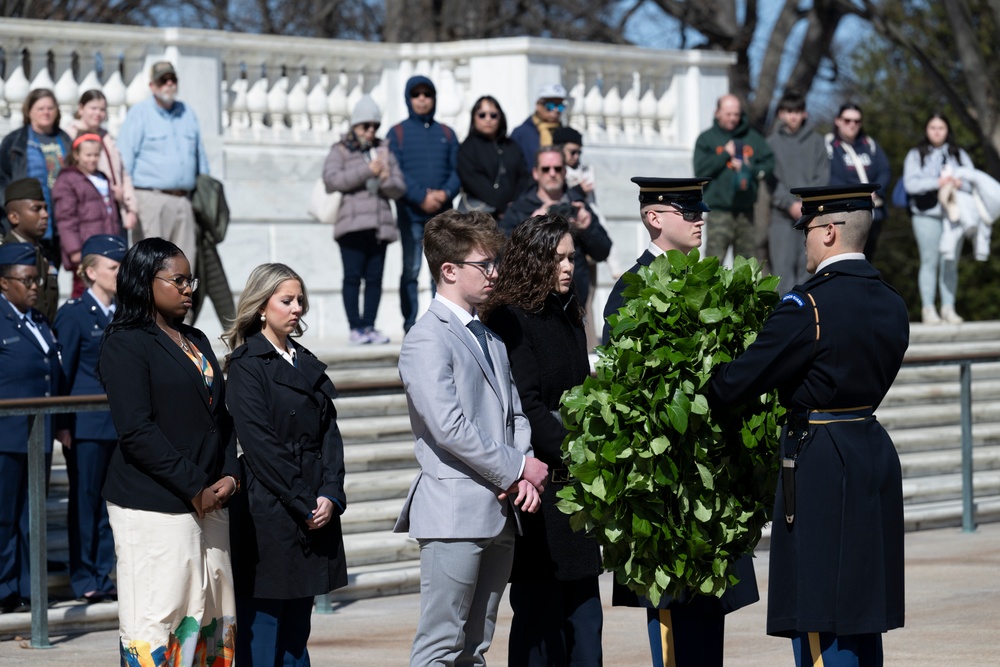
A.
pixel 487 114
pixel 555 106
pixel 546 170
pixel 369 126
pixel 422 93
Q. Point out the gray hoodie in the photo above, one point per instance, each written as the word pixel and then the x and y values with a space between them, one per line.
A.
pixel 801 161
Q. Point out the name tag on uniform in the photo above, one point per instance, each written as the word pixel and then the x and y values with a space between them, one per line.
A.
pixel 8 341
pixel 94 334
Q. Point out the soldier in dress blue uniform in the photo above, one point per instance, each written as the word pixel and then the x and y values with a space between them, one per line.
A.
pixel 832 348
pixel 688 630
pixel 29 368
pixel 80 325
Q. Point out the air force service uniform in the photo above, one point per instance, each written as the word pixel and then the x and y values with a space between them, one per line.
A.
pixel 80 325
pixel 832 348
pixel 29 368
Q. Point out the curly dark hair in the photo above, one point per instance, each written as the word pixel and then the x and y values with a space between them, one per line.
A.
pixel 528 266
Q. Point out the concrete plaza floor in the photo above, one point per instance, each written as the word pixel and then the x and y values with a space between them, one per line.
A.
pixel 952 618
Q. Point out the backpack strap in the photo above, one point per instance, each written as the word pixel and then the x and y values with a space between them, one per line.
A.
pixel 398 129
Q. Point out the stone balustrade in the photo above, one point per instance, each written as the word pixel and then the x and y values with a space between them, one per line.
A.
pixel 271 106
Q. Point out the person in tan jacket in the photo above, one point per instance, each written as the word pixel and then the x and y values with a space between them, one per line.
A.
pixel 362 168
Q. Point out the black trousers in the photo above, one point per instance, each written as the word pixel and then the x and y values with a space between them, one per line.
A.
pixel 556 624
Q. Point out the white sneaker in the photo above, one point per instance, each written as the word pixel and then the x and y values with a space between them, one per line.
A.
pixel 359 337
pixel 376 337
pixel 949 315
pixel 930 315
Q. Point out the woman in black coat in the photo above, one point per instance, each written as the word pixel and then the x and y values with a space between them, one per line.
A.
pixel 173 469
pixel 490 165
pixel 554 587
pixel 287 541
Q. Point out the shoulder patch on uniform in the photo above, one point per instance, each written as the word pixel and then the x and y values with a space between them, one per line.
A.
pixel 791 296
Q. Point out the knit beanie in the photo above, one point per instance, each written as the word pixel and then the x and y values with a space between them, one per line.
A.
pixel 365 111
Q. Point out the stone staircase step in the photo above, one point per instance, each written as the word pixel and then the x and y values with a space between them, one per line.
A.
pixel 371 516
pixel 940 392
pixel 352 407
pixel 950 333
pixel 915 416
pixel 375 429
pixel 942 514
pixel 944 461
pixel 369 581
pixel 377 485
pixel 376 375
pixel 948 487
pixel 338 356
pixel 943 437
pixel 379 547
pixel 986 370
pixel 384 455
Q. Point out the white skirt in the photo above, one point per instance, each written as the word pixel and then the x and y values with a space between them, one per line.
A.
pixel 176 604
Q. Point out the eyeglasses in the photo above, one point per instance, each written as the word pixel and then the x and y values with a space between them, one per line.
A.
pixel 806 230
pixel 555 106
pixel 688 216
pixel 414 94
pixel 487 114
pixel 181 282
pixel 27 282
pixel 487 266
pixel 369 126
pixel 546 170
pixel 850 121
pixel 164 80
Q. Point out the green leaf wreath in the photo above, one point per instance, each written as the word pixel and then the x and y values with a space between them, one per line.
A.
pixel 673 492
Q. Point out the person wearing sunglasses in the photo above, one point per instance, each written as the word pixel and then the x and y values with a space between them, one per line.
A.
pixel 737 158
pixel 831 348
pixel 490 165
pixel 162 152
pixel 552 197
pixel 362 167
pixel 427 153
pixel 536 130
pixel 690 627
pixel 856 158
pixel 29 368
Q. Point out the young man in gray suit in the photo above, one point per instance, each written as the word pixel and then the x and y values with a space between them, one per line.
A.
pixel 472 441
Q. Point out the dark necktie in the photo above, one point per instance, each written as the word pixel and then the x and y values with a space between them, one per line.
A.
pixel 479 331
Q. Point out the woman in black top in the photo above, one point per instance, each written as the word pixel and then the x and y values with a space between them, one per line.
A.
pixel 287 540
pixel 554 588
pixel 490 165
pixel 173 469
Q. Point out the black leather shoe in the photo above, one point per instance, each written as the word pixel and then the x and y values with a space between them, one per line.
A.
pixel 13 604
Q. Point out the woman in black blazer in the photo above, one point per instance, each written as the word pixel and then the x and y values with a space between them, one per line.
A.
pixel 554 589
pixel 287 541
pixel 173 469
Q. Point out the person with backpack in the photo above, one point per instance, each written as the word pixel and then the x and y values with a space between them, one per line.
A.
pixel 856 158
pixel 427 153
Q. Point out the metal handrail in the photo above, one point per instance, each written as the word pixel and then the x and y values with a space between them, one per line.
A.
pixel 964 362
pixel 33 408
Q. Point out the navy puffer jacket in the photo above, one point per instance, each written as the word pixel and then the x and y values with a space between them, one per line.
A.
pixel 427 152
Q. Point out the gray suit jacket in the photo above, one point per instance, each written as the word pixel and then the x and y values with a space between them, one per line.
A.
pixel 469 430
